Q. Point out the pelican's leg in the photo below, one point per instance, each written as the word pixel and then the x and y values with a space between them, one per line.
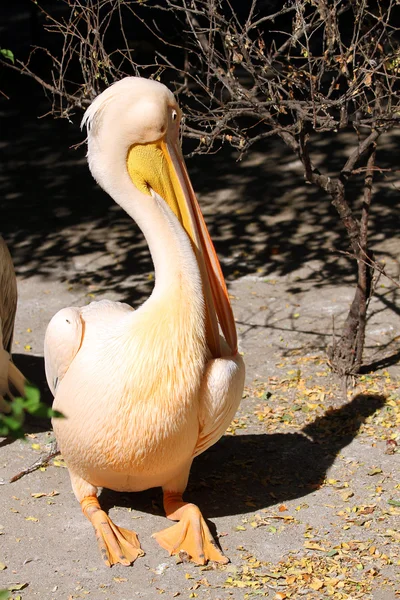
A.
pixel 117 545
pixel 191 534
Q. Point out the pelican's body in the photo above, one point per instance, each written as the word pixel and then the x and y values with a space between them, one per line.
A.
pixel 10 376
pixel 145 391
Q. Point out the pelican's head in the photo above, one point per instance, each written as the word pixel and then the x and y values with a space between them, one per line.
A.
pixel 141 110
pixel 137 121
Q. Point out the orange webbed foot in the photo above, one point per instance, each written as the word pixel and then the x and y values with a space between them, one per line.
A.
pixel 190 535
pixel 117 545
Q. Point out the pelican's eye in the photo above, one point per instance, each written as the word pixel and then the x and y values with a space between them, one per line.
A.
pixel 174 115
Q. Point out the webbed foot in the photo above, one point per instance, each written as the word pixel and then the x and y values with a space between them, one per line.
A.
pixel 117 545
pixel 191 534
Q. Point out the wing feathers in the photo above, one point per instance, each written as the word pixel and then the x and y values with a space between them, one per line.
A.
pixel 62 341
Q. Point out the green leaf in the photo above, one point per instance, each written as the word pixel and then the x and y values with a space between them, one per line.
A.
pixel 17 408
pixel 7 54
pixel 4 594
pixel 11 422
pixel 394 502
pixel 32 398
pixel 45 412
pixel 41 411
pixel 55 414
pixel 15 587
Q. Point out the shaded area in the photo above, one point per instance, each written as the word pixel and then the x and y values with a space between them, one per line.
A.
pixel 262 216
pixel 265 469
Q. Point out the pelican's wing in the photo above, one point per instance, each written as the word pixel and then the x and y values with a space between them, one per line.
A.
pixel 8 295
pixel 220 395
pixel 11 378
pixel 4 362
pixel 62 341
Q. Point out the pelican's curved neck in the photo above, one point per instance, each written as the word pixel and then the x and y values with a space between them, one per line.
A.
pixel 174 261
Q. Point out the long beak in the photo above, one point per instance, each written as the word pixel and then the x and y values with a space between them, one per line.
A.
pixel 160 166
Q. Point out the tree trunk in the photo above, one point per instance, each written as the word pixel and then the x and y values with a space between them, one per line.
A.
pixel 346 354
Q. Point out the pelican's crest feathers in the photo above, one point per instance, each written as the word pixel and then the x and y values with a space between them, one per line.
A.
pixel 128 89
pixel 93 113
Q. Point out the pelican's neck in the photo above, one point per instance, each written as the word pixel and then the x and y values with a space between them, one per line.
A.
pixel 169 328
pixel 175 264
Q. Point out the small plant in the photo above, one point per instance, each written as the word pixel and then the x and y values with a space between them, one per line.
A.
pixel 7 54
pixel 11 425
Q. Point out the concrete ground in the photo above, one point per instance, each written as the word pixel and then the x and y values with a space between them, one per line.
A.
pixel 303 490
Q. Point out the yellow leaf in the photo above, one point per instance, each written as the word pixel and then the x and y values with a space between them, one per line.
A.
pixel 47 494
pixel 35 446
pixel 345 545
pixel 316 584
pixel 188 576
pixel 346 495
pixel 2 566
pixel 34 519
pixel 313 546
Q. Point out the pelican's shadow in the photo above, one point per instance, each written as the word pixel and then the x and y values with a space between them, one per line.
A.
pixel 244 473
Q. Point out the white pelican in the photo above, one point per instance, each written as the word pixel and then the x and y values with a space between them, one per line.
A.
pixel 146 391
pixel 11 378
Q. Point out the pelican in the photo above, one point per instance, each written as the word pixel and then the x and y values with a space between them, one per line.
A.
pixel 10 377
pixel 145 391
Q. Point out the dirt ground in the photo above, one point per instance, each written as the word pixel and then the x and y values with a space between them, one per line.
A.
pixel 303 490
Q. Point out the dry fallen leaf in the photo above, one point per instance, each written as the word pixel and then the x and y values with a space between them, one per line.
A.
pixel 346 495
pixel 47 494
pixel 316 584
pixel 314 546
pixel 374 471
pixel 15 587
